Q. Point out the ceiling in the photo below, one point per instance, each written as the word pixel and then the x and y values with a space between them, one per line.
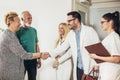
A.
pixel 91 2
pixel 104 1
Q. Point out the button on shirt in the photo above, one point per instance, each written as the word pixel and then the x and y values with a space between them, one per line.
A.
pixel 79 57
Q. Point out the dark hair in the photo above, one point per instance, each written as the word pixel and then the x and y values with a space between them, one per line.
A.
pixel 115 17
pixel 75 14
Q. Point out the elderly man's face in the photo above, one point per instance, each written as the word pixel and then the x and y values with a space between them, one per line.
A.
pixel 27 19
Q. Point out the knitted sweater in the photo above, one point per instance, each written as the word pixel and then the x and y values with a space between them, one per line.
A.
pixel 11 57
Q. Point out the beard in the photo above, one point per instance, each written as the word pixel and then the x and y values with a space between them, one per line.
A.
pixel 27 24
pixel 72 28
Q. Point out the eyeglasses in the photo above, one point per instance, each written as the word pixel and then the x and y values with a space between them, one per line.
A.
pixel 103 22
pixel 70 20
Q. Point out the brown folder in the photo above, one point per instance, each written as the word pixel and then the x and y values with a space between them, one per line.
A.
pixel 98 49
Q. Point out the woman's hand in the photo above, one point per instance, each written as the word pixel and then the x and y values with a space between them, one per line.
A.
pixel 55 64
pixel 94 56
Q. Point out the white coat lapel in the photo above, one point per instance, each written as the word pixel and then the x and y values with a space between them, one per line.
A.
pixel 82 35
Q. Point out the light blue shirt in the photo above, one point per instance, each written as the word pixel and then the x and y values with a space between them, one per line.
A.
pixel 79 57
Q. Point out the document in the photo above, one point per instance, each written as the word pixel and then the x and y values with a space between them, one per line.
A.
pixel 97 49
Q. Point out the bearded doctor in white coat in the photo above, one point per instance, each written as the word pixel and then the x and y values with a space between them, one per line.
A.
pixel 87 36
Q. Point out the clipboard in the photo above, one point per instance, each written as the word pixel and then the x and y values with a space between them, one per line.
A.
pixel 98 49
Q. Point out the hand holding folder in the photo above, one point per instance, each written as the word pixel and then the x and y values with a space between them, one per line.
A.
pixel 97 49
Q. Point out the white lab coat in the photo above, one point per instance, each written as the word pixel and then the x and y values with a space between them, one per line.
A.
pixel 87 36
pixel 46 71
pixel 111 71
pixel 63 72
pixel 65 65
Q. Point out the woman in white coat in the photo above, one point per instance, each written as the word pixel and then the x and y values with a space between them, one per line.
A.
pixel 63 62
pixel 110 69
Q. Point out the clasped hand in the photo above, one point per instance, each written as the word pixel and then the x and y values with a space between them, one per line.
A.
pixel 45 55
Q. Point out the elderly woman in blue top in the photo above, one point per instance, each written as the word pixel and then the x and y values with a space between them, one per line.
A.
pixel 11 52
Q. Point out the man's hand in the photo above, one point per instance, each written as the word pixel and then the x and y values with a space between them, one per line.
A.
pixel 84 76
pixel 96 67
pixel 39 63
pixel 45 55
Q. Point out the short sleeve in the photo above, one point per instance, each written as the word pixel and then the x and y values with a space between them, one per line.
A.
pixel 36 38
pixel 115 43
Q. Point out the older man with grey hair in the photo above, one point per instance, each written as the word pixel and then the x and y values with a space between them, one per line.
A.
pixel 27 36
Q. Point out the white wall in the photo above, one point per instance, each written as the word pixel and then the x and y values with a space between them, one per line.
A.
pixel 47 14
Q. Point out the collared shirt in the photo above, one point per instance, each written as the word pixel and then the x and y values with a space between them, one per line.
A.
pixel 79 57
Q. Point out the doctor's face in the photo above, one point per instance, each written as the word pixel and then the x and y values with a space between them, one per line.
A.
pixel 71 22
pixel 104 24
pixel 61 30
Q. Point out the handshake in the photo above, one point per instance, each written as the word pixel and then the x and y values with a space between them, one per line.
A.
pixel 44 55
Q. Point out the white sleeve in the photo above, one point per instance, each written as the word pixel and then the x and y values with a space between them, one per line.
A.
pixel 60 49
pixel 115 46
pixel 66 56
